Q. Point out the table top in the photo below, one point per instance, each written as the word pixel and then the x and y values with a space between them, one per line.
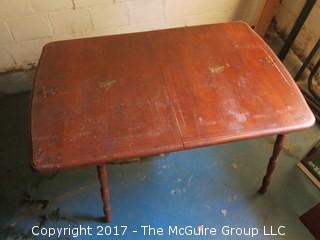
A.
pixel 116 97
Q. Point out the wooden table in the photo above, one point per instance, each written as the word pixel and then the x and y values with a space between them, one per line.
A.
pixel 102 99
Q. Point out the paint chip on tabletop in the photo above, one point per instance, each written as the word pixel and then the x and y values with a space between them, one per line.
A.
pixel 107 84
pixel 46 91
pixel 219 68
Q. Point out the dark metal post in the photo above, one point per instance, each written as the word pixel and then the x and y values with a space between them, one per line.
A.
pixel 310 80
pixel 296 28
pixel 308 60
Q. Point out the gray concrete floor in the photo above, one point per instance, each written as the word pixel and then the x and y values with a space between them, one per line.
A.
pixel 213 186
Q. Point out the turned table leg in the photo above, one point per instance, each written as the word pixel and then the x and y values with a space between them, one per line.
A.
pixel 103 179
pixel 272 163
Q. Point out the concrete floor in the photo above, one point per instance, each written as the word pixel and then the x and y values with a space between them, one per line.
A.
pixel 213 186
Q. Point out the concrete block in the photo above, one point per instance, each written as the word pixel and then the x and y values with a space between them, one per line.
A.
pixel 307 37
pixel 143 11
pixel 304 42
pixel 312 22
pixel 28 52
pixel 71 22
pixel 86 3
pixel 293 6
pixel 5 36
pixel 105 31
pixel 142 27
pixel 174 22
pixel 175 8
pixel 6 60
pixel 285 20
pixel 12 8
pixel 51 5
pixel 207 18
pixel 109 15
pixel 205 6
pixel 31 27
pixel 67 36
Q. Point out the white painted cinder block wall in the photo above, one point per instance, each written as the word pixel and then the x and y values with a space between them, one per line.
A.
pixel 310 32
pixel 26 25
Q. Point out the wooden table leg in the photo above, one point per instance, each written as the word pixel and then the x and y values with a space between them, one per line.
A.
pixel 103 179
pixel 272 163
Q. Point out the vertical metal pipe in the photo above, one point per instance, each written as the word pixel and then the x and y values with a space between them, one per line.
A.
pixel 310 80
pixel 296 28
pixel 308 60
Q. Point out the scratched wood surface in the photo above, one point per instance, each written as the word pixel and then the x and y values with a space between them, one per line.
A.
pixel 226 84
pixel 100 99
pixel 109 98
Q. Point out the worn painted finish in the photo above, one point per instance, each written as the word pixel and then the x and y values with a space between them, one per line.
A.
pixel 226 84
pixel 102 99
